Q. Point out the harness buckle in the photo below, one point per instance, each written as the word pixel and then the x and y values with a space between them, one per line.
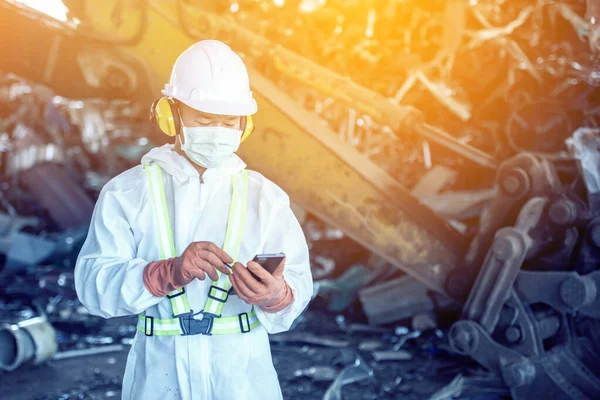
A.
pixel 148 332
pixel 243 318
pixel 218 289
pixel 181 293
pixel 192 326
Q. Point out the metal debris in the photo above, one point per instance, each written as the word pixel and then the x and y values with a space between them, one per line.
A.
pixel 88 352
pixel 343 291
pixel 395 300
pixel 354 373
pixel 99 340
pixel 424 321
pixel 53 165
pixel 370 345
pixel 340 320
pixel 395 355
pixel 30 341
pixel 460 205
pixel 434 181
pixel 450 391
pixel 308 339
pixel 405 338
pixel 362 328
pixel 584 145
pixel 318 373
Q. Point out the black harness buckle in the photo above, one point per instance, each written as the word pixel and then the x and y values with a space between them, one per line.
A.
pixel 218 289
pixel 193 326
pixel 177 294
pixel 146 319
pixel 243 317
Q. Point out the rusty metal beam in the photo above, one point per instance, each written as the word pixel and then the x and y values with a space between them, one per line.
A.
pixel 334 181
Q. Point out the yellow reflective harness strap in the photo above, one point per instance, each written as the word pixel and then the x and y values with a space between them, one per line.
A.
pixel 219 291
pixel 214 324
pixel 179 301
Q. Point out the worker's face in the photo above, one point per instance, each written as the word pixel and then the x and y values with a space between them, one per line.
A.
pixel 191 117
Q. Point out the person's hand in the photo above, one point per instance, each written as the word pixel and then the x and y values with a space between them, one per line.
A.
pixel 197 261
pixel 272 294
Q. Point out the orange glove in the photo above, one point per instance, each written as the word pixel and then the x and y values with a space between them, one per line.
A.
pixel 285 301
pixel 272 294
pixel 197 261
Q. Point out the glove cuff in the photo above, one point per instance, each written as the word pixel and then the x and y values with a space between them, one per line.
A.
pixel 158 277
pixel 285 301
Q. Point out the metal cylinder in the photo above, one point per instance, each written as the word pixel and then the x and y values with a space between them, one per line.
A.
pixel 515 182
pixel 549 326
pixel 33 340
pixel 578 291
pixel 563 212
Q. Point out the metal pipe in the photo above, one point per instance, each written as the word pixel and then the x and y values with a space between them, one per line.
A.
pixel 88 352
pixel 33 340
pixel 446 140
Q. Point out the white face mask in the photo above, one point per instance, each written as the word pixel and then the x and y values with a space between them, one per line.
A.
pixel 210 146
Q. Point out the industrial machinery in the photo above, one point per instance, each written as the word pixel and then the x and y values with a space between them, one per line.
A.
pixel 529 279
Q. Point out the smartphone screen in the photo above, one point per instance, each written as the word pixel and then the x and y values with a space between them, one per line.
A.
pixel 268 262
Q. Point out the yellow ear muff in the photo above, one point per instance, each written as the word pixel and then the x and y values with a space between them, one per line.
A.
pixel 165 115
pixel 248 127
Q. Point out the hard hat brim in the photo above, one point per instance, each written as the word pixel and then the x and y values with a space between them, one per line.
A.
pixel 217 107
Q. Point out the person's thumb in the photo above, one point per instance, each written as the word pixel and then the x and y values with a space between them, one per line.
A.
pixel 278 271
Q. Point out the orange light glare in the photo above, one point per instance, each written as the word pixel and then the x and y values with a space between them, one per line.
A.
pixel 53 8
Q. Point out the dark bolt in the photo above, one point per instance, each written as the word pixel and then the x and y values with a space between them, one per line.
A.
pixel 515 182
pixel 504 248
pixel 516 375
pixel 463 337
pixel 513 334
pixel 549 326
pixel 511 184
pixel 563 212
pixel 577 291
pixel 462 341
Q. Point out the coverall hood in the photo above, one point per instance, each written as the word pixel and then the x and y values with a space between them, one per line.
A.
pixel 178 166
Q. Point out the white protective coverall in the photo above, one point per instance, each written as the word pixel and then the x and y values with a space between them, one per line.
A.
pixel 123 239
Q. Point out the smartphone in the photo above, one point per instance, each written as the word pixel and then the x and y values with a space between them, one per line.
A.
pixel 268 262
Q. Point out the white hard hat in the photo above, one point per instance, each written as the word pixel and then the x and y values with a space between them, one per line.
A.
pixel 210 77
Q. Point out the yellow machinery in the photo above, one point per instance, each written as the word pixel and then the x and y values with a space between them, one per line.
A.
pixel 125 49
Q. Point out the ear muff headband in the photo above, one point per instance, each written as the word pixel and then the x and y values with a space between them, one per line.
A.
pixel 165 115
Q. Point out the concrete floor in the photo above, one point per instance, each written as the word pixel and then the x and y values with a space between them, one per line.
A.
pixel 95 377
pixel 99 376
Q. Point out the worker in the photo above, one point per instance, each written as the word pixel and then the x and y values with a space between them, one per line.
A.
pixel 171 240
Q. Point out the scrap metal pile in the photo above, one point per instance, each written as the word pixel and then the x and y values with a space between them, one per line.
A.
pixel 501 76
pixel 56 156
pixel 518 80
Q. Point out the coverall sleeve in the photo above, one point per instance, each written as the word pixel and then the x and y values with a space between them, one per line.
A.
pixel 108 273
pixel 284 234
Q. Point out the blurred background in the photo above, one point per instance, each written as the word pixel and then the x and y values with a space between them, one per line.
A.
pixel 442 156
